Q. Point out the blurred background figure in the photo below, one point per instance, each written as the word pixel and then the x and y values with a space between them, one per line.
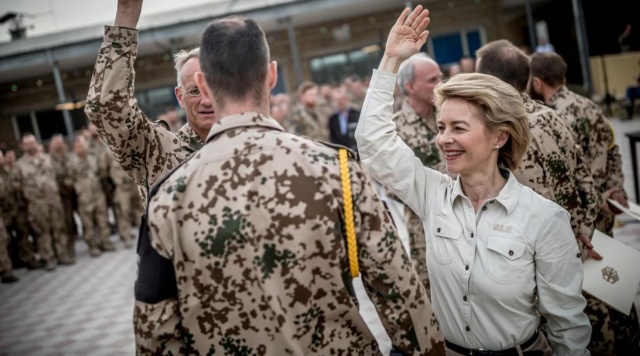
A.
pixel 467 65
pixel 343 123
pixel 454 69
pixel 544 46
pixel 307 120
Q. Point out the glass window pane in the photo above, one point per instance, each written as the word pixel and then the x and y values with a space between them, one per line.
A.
pixel 474 41
pixel 447 48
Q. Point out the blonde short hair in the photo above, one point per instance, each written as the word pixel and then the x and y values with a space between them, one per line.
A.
pixel 501 106
pixel 182 57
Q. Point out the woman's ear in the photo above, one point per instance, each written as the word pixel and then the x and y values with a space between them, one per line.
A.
pixel 503 137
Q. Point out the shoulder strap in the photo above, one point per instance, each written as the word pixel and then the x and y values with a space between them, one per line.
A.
pixel 349 223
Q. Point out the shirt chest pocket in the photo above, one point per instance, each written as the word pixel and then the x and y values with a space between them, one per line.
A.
pixel 442 246
pixel 507 261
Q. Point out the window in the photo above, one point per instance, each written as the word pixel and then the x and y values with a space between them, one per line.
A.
pixel 448 48
pixel 335 67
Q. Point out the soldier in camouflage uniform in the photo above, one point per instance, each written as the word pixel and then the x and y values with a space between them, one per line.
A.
pixel 253 228
pixel 6 266
pixel 613 332
pixel 307 120
pixel 416 125
pixel 59 158
pixel 14 212
pixel 145 150
pixel 590 128
pixel 126 200
pixel 83 173
pixel 36 177
pixel 552 165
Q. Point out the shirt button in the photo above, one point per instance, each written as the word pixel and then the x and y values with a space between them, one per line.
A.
pixel 438 230
pixel 510 252
pixel 492 201
pixel 484 207
pixel 579 255
pixel 466 268
pixel 472 235
pixel 464 298
pixel 467 328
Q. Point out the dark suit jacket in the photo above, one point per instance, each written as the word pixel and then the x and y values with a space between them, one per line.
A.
pixel 337 137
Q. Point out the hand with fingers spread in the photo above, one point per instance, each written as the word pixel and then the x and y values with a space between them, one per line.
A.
pixel 406 38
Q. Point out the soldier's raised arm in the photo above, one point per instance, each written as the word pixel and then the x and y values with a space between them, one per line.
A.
pixel 145 150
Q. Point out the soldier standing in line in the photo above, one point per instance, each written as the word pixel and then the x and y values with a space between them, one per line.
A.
pixel 83 173
pixel 6 266
pixel 247 246
pixel 552 166
pixel 126 200
pixel 59 158
pixel 36 178
pixel 14 213
pixel 307 119
pixel 613 332
pixel 144 149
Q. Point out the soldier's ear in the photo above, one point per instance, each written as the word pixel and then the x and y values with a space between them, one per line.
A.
pixel 272 74
pixel 201 82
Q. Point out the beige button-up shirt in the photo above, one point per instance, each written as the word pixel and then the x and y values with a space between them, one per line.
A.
pixel 495 271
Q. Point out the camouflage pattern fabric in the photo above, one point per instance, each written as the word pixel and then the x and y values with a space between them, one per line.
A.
pixel 552 167
pixel 307 122
pixel 593 131
pixel 253 224
pixel 144 149
pixel 92 204
pixel 14 212
pixel 37 178
pixel 613 332
pixel 67 195
pixel 126 201
pixel 6 266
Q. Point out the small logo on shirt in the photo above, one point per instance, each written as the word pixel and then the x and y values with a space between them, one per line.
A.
pixel 610 275
pixel 503 228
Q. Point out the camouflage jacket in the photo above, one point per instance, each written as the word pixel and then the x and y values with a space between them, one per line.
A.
pixel 308 122
pixel 593 132
pixel 37 178
pixel 60 166
pixel 253 224
pixel 420 134
pixel 552 167
pixel 117 175
pixel 9 202
pixel 144 149
pixel 83 174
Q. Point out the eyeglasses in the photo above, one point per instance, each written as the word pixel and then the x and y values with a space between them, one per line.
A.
pixel 192 92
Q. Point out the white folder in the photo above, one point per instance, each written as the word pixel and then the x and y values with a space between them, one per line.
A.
pixel 614 280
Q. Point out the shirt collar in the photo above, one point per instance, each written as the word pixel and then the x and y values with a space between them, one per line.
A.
pixel 244 119
pixel 508 196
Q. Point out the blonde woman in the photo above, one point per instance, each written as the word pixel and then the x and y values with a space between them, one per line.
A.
pixel 499 255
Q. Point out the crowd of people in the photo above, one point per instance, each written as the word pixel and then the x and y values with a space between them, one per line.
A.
pixel 43 189
pixel 264 211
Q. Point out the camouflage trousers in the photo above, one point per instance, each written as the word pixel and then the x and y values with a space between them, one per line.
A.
pixel 95 221
pixel 6 267
pixel 418 243
pixel 67 195
pixel 18 228
pixel 46 217
pixel 127 206
pixel 613 333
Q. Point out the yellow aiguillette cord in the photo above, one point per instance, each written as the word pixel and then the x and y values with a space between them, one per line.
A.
pixel 350 229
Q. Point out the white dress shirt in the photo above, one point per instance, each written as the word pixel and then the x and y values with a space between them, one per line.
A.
pixel 494 271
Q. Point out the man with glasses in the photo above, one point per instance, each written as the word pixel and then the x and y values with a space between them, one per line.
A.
pixel 145 150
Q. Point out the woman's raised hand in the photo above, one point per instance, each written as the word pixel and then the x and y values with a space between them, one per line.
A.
pixel 408 34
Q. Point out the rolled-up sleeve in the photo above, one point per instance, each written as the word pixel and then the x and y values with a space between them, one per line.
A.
pixel 559 277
